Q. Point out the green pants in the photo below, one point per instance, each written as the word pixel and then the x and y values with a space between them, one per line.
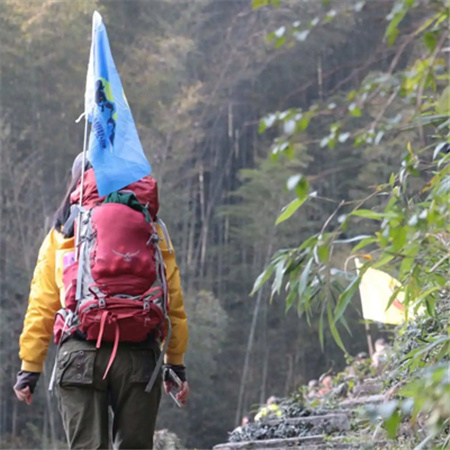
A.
pixel 84 397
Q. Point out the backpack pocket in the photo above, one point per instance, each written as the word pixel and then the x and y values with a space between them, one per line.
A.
pixel 123 257
pixel 121 319
pixel 70 275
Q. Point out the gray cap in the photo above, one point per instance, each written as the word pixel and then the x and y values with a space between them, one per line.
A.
pixel 76 166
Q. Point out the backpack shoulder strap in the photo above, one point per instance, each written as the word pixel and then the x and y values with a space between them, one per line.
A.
pixel 68 227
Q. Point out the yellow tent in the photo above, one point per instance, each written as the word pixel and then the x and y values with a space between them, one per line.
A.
pixel 376 289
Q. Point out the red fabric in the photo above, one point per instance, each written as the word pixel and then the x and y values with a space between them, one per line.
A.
pixel 70 274
pixel 133 322
pixel 146 190
pixel 122 261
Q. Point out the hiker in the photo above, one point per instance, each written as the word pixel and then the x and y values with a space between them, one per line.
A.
pixel 359 367
pixel 106 358
pixel 311 392
pixel 271 408
pixel 325 384
pixel 380 357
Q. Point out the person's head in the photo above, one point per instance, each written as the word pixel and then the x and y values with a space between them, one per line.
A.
pixel 271 400
pixel 362 356
pixel 63 211
pixel 245 420
pixel 380 344
pixel 326 380
pixel 312 384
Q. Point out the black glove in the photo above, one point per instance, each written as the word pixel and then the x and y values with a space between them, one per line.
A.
pixel 25 379
pixel 179 370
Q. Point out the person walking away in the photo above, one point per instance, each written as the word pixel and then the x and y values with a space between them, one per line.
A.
pixel 109 338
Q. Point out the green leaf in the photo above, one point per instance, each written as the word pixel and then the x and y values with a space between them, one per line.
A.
pixel 280 42
pixel 304 279
pixel 290 298
pixel 323 251
pixel 262 278
pixel 279 274
pixel 392 29
pixel 383 261
pixel 321 335
pixel 345 298
pixel 259 3
pixel 304 122
pixel 443 105
pixel 354 110
pixel 430 39
pixel 386 410
pixel 398 238
pixel 302 189
pixel 290 209
pixel 300 184
pixel 333 329
pixel 368 214
pixel 392 424
pixel 364 243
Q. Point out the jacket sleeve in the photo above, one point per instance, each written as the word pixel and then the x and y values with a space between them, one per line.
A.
pixel 42 305
pixel 179 338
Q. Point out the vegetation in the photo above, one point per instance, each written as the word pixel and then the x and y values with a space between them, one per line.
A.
pixel 406 106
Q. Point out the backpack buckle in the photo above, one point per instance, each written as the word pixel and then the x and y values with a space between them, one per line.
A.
pixel 102 302
pixel 153 239
pixel 146 305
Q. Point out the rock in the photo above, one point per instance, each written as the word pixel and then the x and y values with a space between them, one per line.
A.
pixel 166 440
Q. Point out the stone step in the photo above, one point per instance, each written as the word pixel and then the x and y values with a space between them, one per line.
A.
pixel 272 443
pixel 318 442
pixel 353 403
pixel 326 423
pixel 369 387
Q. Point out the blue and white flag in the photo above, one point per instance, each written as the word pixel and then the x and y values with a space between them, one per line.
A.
pixel 115 150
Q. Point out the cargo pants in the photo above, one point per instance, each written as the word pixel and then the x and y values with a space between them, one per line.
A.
pixel 84 397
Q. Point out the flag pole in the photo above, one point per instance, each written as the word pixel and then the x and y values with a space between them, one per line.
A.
pixel 83 167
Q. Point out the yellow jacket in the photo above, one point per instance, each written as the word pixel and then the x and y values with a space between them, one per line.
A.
pixel 46 298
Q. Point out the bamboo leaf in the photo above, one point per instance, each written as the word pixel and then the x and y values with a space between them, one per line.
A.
pixel 345 298
pixel 334 330
pixel 262 278
pixel 290 209
pixel 304 279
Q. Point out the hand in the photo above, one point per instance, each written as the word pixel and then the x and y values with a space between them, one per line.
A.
pixel 25 385
pixel 24 395
pixel 180 371
pixel 182 394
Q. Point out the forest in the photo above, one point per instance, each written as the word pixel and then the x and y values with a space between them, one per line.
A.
pixel 285 136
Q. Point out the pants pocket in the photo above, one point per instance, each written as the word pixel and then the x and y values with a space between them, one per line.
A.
pixel 76 367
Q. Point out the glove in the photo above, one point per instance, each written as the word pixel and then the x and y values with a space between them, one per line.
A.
pixel 179 369
pixel 25 379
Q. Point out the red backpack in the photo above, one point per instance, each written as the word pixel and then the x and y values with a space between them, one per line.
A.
pixel 116 290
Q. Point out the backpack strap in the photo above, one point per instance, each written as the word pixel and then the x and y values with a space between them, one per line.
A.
pixel 166 234
pixel 160 361
pixel 68 227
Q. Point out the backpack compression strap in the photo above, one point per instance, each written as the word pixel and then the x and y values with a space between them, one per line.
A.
pixel 160 361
